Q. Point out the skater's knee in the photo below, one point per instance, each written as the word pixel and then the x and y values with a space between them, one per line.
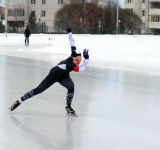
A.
pixel 38 91
pixel 70 88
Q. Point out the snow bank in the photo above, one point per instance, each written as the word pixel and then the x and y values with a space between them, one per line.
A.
pixel 132 53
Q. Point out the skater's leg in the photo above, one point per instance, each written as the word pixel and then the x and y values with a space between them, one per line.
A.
pixel 68 83
pixel 28 39
pixel 45 84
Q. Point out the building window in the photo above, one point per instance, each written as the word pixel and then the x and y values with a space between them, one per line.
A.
pixel 143 1
pixel 129 1
pixel 155 5
pixel 155 18
pixel 43 13
pixel 15 12
pixel 10 12
pixel 33 12
pixel 143 12
pixel 16 1
pixel 43 2
pixel 143 25
pixel 33 2
pixel 43 24
pixel 60 2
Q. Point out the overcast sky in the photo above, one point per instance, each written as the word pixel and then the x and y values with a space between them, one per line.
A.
pixel 3 1
pixel 121 2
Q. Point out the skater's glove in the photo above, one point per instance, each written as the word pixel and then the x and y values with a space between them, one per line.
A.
pixel 68 28
pixel 85 53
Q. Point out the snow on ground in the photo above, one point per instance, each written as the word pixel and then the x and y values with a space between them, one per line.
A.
pixel 138 53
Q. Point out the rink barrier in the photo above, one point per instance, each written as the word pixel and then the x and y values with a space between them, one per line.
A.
pixel 75 30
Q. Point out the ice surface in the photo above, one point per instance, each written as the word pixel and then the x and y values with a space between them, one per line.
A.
pixel 116 99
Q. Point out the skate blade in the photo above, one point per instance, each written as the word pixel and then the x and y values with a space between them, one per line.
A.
pixel 73 115
pixel 11 109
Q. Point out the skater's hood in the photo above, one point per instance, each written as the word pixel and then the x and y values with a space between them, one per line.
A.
pixel 75 53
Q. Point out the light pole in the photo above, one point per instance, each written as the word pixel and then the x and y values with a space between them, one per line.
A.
pixel 117 16
pixel 148 15
pixel 84 4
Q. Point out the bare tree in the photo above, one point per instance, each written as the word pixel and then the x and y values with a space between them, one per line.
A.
pixel 72 13
pixel 112 4
pixel 2 27
pixel 65 14
pixel 129 20
pixel 1 10
pixel 20 14
pixel 0 3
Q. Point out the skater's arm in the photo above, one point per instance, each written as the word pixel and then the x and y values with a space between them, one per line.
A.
pixel 71 40
pixel 83 67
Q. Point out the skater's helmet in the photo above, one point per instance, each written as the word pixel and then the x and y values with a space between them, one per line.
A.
pixel 75 53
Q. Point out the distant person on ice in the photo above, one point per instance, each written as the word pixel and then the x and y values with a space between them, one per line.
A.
pixel 60 73
pixel 27 33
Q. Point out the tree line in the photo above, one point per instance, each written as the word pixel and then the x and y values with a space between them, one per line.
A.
pixel 2 28
pixel 94 17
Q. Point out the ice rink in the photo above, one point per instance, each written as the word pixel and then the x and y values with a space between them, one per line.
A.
pixel 117 99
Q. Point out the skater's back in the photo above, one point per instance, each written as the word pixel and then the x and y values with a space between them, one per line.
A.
pixel 27 32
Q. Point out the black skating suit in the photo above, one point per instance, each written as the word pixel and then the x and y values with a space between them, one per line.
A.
pixel 60 73
pixel 27 33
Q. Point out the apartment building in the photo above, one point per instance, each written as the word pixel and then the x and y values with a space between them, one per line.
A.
pixel 99 3
pixel 46 9
pixel 149 11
